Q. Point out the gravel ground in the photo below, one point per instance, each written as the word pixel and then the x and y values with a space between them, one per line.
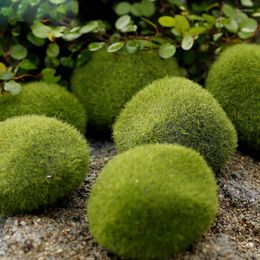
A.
pixel 61 232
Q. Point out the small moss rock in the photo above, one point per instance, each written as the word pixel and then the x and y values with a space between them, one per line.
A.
pixel 152 201
pixel 234 80
pixel 44 99
pixel 42 160
pixel 177 110
pixel 109 80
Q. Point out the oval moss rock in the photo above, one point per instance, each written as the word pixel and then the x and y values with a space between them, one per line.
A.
pixel 152 201
pixel 234 80
pixel 41 98
pixel 42 160
pixel 177 110
pixel 109 80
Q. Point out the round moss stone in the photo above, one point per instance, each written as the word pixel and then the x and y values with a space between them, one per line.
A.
pixel 109 80
pixel 42 160
pixel 152 201
pixel 234 80
pixel 41 98
pixel 177 110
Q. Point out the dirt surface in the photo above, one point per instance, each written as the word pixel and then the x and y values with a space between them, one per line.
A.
pixel 61 232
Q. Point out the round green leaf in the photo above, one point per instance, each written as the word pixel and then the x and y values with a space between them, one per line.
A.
pixel 123 8
pixel 27 65
pixel 7 75
pixel 167 50
pixel 182 24
pixel 57 2
pixel 2 68
pixel 13 87
pixel 48 75
pixel 95 46
pixel 247 3
pixel 123 22
pixel 53 50
pixel 167 21
pixel 231 25
pixel 229 11
pixel 187 42
pixel 18 52
pixel 147 8
pixel 115 47
pixel 35 40
pixel 89 27
pixel 132 46
pixel 248 25
pixel 41 30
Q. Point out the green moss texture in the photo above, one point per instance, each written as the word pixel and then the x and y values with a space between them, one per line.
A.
pixel 44 99
pixel 177 110
pixel 234 80
pixel 152 201
pixel 42 160
pixel 109 80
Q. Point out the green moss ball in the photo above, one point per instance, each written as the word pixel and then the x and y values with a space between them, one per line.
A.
pixel 177 110
pixel 109 80
pixel 152 201
pixel 234 80
pixel 44 99
pixel 42 160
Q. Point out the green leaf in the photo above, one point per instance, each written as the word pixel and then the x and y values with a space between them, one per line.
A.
pixel 35 40
pixel 57 2
pixel 7 75
pixel 13 87
pixel 115 47
pixel 129 28
pixel 95 46
pixel 167 21
pixel 217 36
pixel 48 75
pixel 248 26
pixel 244 35
pixel 187 42
pixel 27 65
pixel 197 31
pixel 123 22
pixel 167 50
pixel 67 62
pixel 231 25
pixel 247 3
pixel 89 27
pixel 41 30
pixel 132 46
pixel 2 68
pixel 209 18
pixel 182 24
pixel 18 52
pixel 123 8
pixel 147 7
pixel 53 50
pixel 229 11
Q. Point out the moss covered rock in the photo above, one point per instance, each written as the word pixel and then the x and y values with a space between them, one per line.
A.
pixel 109 80
pixel 152 201
pixel 42 159
pixel 43 98
pixel 176 110
pixel 234 80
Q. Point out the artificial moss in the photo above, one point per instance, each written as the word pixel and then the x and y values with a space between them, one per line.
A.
pixel 44 99
pixel 109 80
pixel 234 80
pixel 177 110
pixel 42 160
pixel 152 201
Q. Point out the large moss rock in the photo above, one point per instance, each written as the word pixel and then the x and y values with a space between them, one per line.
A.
pixel 41 98
pixel 177 110
pixel 42 160
pixel 152 201
pixel 234 80
pixel 109 80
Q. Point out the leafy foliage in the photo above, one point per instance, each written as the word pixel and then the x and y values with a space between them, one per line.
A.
pixel 47 40
pixel 152 201
pixel 43 159
pixel 176 110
